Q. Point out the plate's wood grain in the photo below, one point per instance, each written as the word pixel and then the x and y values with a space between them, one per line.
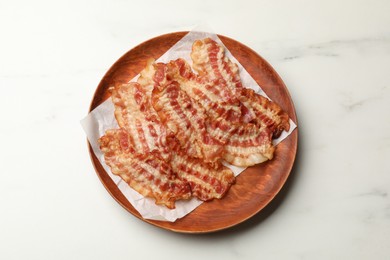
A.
pixel 256 186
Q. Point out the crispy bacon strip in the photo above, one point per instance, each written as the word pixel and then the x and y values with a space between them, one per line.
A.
pixel 249 145
pixel 148 174
pixel 134 113
pixel 209 59
pixel 222 107
pixel 252 142
pixel 244 144
pixel 187 120
pixel 214 96
pixel 267 113
pixel 206 181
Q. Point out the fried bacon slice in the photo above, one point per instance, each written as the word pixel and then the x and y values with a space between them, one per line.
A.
pixel 251 143
pixel 148 173
pixel 268 113
pixel 187 120
pixel 214 96
pixel 244 144
pixel 209 60
pixel 166 182
pixel 179 112
pixel 206 181
pixel 134 113
pixel 221 106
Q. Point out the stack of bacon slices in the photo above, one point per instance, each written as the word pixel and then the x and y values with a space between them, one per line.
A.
pixel 177 125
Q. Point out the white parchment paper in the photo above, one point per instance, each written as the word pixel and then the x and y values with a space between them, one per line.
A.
pixel 102 118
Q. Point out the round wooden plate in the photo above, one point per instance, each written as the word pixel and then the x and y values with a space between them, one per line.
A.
pixel 256 186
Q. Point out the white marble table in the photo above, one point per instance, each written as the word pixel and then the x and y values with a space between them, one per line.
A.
pixel 334 57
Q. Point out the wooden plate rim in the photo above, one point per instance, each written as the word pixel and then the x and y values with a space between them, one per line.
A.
pixel 115 192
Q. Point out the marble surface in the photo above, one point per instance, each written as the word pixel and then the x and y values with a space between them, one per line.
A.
pixel 334 57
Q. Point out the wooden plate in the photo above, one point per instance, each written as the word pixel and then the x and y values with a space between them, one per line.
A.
pixel 256 186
